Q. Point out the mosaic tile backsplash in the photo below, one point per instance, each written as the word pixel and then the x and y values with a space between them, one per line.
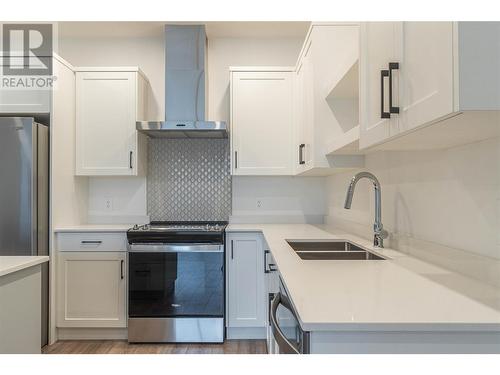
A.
pixel 189 179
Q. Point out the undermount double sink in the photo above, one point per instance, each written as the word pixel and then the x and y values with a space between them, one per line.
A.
pixel 331 250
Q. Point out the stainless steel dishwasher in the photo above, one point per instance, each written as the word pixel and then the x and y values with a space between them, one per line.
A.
pixel 288 335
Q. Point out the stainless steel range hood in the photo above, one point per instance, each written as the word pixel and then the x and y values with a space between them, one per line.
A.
pixel 184 88
pixel 186 129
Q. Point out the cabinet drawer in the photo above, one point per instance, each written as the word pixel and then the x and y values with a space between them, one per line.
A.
pixel 91 241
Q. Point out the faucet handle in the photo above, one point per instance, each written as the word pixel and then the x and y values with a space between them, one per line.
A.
pixel 383 234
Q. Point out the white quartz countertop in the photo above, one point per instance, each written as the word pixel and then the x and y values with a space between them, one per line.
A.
pixel 10 264
pixel 94 228
pixel 368 295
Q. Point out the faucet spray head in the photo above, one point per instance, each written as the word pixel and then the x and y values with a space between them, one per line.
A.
pixel 348 197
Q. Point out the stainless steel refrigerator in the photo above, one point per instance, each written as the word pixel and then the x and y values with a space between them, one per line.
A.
pixel 24 195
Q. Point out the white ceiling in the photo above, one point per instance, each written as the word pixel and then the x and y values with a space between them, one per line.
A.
pixel 155 29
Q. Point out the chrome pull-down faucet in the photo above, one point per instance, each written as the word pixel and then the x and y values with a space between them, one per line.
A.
pixel 378 228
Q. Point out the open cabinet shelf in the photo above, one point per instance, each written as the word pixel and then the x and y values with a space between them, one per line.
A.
pixel 343 99
pixel 347 144
pixel 346 86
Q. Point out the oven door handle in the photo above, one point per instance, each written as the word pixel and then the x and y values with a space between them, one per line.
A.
pixel 175 248
pixel 284 344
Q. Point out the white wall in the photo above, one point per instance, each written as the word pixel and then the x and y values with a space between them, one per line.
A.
pixel 148 53
pixel 450 198
pixel 278 199
pixel 127 196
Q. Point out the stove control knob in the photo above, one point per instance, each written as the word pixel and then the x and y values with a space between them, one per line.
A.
pixel 136 227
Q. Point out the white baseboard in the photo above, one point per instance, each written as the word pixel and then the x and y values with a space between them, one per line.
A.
pixel 92 333
pixel 243 333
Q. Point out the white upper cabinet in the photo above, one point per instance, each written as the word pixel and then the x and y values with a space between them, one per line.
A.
pixel 284 120
pixel 108 104
pixel 261 121
pixel 323 117
pixel 304 112
pixel 440 73
pixel 24 101
pixel 426 73
pixel 378 47
pixel 26 94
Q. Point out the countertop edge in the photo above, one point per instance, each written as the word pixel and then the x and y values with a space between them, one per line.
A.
pixel 402 327
pixel 91 228
pixel 30 261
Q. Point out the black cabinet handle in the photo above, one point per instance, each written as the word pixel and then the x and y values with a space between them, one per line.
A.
pixel 235 159
pixel 383 113
pixel 121 268
pixel 130 160
pixel 86 242
pixel 232 252
pixel 301 153
pixel 392 66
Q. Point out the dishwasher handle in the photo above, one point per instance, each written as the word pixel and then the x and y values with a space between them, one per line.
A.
pixel 285 346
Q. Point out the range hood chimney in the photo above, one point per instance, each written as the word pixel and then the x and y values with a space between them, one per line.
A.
pixel 185 89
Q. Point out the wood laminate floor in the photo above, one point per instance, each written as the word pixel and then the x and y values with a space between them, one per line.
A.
pixel 123 347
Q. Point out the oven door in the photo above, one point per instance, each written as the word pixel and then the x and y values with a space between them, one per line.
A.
pixel 172 281
pixel 287 333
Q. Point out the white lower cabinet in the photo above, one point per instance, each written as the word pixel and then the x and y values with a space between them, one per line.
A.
pixel 91 289
pixel 246 296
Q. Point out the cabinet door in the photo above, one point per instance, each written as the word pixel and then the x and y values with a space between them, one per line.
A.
pixel 379 45
pixel 300 135
pixel 261 123
pixel 91 289
pixel 246 292
pixel 305 111
pixel 105 123
pixel 427 72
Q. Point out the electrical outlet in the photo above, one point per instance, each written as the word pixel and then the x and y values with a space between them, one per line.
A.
pixel 259 203
pixel 108 204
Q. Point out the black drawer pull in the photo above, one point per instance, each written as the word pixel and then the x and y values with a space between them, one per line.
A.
pixel 85 242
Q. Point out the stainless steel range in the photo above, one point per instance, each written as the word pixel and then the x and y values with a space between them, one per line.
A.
pixel 176 282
